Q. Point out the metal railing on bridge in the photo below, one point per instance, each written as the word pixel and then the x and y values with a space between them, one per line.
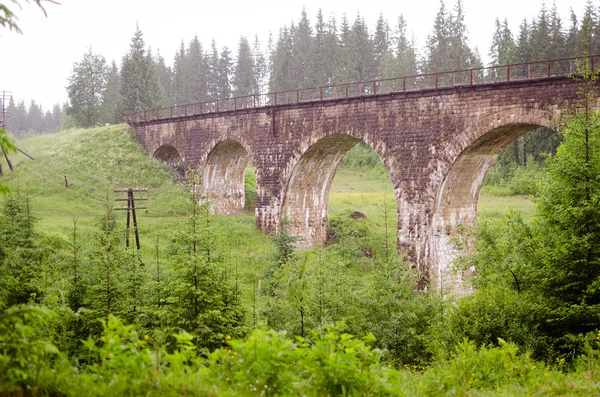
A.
pixel 431 81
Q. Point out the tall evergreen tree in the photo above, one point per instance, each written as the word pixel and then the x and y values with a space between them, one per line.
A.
pixel 112 95
pixel 196 72
pixel 140 89
pixel 180 88
pixel 244 82
pixel 260 67
pixel 213 67
pixel 301 51
pixel 405 51
pixel 165 79
pixel 318 58
pixel 224 73
pixel 282 57
pixel 381 45
pixel 438 42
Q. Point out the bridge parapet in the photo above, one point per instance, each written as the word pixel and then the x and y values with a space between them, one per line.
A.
pixel 512 73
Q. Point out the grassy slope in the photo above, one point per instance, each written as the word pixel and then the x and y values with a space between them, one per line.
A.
pixel 96 161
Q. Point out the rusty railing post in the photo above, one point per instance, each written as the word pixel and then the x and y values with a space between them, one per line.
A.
pixel 346 91
pixel 436 81
pixel 549 63
pixel 570 66
pixel 508 73
pixel 374 88
pixel 403 84
pixel 144 115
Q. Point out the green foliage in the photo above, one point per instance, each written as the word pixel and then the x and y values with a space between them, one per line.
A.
pixel 139 86
pixel 7 146
pixel 8 19
pixel 203 300
pixel 250 190
pixel 86 88
pixel 476 369
pixel 26 357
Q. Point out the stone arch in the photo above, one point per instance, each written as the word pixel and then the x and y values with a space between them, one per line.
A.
pixel 168 154
pixel 223 177
pixel 306 194
pixel 475 151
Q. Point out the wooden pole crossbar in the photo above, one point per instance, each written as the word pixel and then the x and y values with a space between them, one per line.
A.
pixel 131 212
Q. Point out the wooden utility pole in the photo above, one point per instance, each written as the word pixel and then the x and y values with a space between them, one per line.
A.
pixel 131 212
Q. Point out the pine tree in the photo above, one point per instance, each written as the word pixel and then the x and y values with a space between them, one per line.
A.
pixel 180 88
pixel 557 36
pixel 260 67
pixel 224 74
pixel 34 117
pixel 405 52
pixel 363 66
pixel 196 73
pixel 381 43
pixel 280 79
pixel 165 77
pixel 343 71
pixel 56 118
pixel 213 77
pixel 140 88
pixel 320 75
pixel 244 81
pixel 112 96
pixel 301 51
pixel 438 43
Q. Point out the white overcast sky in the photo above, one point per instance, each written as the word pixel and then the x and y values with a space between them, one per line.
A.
pixel 36 65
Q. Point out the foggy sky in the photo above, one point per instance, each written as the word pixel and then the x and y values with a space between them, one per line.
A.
pixel 36 65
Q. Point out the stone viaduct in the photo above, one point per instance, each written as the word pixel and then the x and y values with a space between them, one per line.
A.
pixel 436 134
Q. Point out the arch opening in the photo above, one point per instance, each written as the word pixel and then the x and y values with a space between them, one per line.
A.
pixel 457 199
pixel 168 154
pixel 223 178
pixel 307 194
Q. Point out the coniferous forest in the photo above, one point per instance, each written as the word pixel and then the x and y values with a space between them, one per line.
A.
pixel 209 306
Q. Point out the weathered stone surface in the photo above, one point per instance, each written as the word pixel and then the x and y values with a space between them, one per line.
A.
pixel 436 145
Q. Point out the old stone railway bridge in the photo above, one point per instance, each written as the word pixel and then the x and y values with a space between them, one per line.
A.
pixel 437 135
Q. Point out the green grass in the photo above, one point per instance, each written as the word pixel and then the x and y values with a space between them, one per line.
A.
pixel 97 161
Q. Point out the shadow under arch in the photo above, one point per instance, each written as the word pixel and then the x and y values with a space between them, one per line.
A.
pixel 168 154
pixel 223 177
pixel 457 198
pixel 306 199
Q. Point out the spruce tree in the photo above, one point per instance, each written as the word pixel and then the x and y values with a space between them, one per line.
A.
pixel 260 67
pixel 224 74
pixel 140 88
pixel 406 57
pixel 165 79
pixel 381 42
pixel 244 81
pixel 196 72
pixel 112 95
pixel 180 87
pixel 213 67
